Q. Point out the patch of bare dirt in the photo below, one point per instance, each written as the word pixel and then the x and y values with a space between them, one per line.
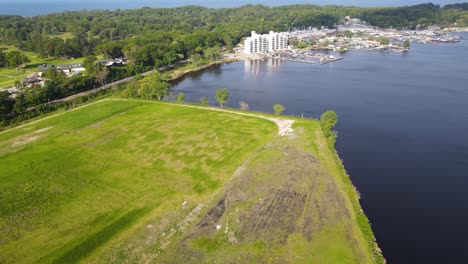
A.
pixel 211 219
pixel 25 139
pixel 42 130
pixel 276 215
pixel 29 137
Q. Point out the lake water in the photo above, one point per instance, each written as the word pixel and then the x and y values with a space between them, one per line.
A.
pixel 402 134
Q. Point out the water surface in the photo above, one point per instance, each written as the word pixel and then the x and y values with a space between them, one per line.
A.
pixel 403 135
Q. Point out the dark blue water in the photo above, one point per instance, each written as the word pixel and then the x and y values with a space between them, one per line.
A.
pixel 403 135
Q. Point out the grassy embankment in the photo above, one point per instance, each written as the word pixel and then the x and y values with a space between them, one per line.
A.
pixel 8 76
pixel 180 71
pixel 145 181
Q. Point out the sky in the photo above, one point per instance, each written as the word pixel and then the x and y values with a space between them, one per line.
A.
pixel 37 7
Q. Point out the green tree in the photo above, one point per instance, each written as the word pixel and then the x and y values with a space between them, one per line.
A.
pixel 328 121
pixel 2 59
pixel 6 104
pixel 111 49
pixel 348 34
pixel 180 97
pixel 406 43
pixel 279 109
pixel 302 45
pixel 383 40
pixel 131 89
pixel 213 53
pixel 222 96
pixel 195 59
pixel 15 59
pixel 153 87
pixel 204 101
pixel 20 104
pixel 101 75
pixel 88 64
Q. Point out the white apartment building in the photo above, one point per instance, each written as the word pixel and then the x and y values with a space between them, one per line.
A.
pixel 257 43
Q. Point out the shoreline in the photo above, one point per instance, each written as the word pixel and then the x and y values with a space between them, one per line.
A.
pixel 349 188
pixel 227 58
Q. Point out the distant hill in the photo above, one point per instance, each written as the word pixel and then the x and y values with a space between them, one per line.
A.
pixel 461 6
pixel 33 8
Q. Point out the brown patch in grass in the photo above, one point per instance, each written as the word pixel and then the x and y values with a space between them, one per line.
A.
pixel 276 215
pixel 24 139
pixel 42 130
pixel 29 137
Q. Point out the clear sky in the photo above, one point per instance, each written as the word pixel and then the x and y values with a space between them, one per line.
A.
pixel 35 7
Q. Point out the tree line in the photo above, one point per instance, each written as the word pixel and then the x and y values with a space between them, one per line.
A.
pixel 156 37
pixel 183 30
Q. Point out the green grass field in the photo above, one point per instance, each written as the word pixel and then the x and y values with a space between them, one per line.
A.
pixel 9 75
pixel 138 181
pixel 64 36
pixel 289 205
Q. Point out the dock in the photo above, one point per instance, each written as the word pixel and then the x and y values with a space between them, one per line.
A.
pixel 328 60
pixel 296 60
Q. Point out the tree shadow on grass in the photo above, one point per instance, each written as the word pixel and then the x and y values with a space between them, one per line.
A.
pixel 94 241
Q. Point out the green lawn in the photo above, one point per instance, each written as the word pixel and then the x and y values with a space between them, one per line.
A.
pixel 8 75
pixel 142 182
pixel 75 182
pixel 64 36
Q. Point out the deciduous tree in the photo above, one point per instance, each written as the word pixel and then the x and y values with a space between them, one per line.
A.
pixel 153 87
pixel 279 109
pixel 15 59
pixel 328 120
pixel 180 97
pixel 222 96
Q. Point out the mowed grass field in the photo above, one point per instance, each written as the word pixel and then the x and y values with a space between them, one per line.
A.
pixel 134 181
pixel 79 185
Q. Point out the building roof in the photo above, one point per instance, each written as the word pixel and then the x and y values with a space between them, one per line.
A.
pixel 33 78
pixel 47 67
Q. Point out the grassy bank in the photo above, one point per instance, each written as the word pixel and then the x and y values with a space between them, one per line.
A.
pixel 190 67
pixel 142 181
pixel 289 204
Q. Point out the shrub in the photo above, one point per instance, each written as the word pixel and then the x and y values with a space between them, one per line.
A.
pixel 180 98
pixel 243 105
pixel 278 109
pixel 222 96
pixel 204 101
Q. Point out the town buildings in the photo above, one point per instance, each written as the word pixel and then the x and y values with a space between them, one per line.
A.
pixel 273 41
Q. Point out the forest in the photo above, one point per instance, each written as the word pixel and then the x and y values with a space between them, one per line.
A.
pixel 155 37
